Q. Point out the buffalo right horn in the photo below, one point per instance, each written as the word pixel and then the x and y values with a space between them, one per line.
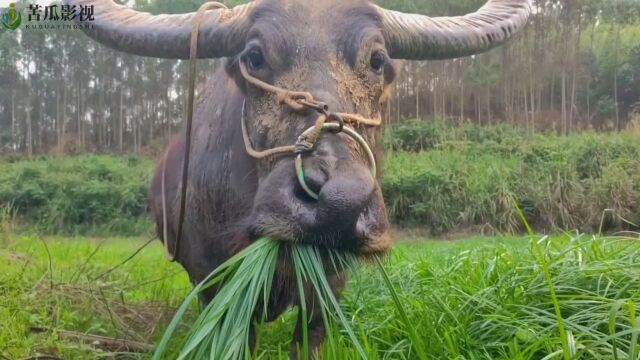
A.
pixel 165 36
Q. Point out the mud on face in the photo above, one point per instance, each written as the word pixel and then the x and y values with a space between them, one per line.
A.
pixel 340 58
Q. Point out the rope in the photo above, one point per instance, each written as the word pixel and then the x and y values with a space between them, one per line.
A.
pixel 193 53
pixel 165 238
pixel 297 101
pixel 304 143
pixel 290 98
pixel 260 154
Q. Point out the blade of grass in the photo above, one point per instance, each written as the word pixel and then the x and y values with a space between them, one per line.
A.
pixel 613 314
pixel 634 325
pixel 303 313
pixel 309 260
pixel 319 272
pixel 417 343
pixel 552 290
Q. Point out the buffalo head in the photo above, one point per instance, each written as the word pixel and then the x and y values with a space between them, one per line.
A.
pixel 339 51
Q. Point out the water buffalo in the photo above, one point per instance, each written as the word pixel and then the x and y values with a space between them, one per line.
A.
pixel 343 53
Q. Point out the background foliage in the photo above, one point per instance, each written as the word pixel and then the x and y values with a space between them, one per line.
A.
pixel 87 194
pixel 576 66
pixel 434 175
pixel 450 177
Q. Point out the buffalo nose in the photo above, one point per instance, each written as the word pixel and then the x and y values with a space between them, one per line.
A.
pixel 343 197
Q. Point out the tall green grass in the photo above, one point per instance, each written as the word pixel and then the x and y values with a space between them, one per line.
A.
pixel 495 301
pixel 479 298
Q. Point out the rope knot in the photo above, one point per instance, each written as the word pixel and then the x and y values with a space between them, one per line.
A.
pixel 282 96
pixel 294 99
pixel 303 145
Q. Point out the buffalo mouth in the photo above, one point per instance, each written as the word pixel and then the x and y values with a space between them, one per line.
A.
pixel 357 241
pixel 348 216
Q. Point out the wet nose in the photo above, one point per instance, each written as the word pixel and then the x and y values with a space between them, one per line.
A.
pixel 343 192
pixel 343 197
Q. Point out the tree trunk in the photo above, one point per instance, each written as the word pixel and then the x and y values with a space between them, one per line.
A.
pixel 29 138
pixel 397 104
pixel 552 101
pixel 151 122
pixel 574 67
pixel 79 115
pixel 615 71
pixel 64 117
pixel 13 120
pixel 121 121
pixel 563 104
pixel 40 126
pixel 417 91
pixel 58 127
pixel 462 101
pixel 489 119
pixel 134 130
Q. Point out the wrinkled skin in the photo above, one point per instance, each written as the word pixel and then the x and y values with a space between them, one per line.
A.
pixel 327 49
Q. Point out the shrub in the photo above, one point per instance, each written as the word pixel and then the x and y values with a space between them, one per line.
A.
pixel 470 178
pixel 88 194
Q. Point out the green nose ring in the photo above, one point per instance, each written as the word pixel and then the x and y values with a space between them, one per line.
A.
pixel 334 127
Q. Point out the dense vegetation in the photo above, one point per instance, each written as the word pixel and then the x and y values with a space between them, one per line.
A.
pixel 87 194
pixel 477 299
pixel 445 178
pixel 434 175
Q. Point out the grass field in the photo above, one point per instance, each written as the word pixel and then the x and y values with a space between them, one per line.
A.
pixel 478 298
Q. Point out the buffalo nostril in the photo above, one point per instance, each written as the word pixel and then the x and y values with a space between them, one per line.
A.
pixel 315 178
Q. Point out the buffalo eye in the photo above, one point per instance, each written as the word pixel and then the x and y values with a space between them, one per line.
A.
pixel 377 61
pixel 255 59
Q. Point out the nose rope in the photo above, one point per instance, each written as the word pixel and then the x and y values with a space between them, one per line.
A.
pixel 299 101
pixel 347 130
